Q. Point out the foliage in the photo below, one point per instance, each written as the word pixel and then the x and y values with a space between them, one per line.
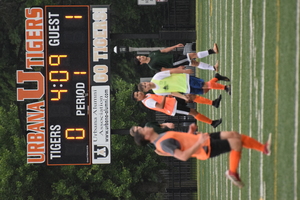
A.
pixel 132 168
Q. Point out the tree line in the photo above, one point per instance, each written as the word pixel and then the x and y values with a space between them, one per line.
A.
pixel 133 172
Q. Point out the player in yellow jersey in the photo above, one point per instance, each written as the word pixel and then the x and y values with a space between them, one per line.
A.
pixel 178 80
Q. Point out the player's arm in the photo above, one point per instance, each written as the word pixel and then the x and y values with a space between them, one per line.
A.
pixel 167 125
pixel 192 128
pixel 161 105
pixel 179 70
pixel 186 154
pixel 164 69
pixel 168 49
pixel 161 153
pixel 179 95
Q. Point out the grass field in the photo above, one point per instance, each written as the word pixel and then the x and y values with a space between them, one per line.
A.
pixel 259 44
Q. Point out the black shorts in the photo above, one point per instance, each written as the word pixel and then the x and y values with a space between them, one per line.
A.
pixel 180 60
pixel 218 146
pixel 182 108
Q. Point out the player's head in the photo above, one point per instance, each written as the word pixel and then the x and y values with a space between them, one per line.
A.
pixel 145 86
pixel 140 134
pixel 133 130
pixel 139 60
pixel 138 95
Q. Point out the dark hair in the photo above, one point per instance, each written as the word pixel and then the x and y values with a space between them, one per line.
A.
pixel 136 61
pixel 140 87
pixel 132 96
pixel 138 138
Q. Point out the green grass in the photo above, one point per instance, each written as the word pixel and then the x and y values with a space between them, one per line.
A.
pixel 258 47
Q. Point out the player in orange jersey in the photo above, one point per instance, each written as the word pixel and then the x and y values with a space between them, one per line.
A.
pixel 174 106
pixel 202 146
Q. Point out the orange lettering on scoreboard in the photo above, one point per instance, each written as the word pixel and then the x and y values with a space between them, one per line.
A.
pixel 36 136
pixel 34 57
pixel 34 35
pixel 23 77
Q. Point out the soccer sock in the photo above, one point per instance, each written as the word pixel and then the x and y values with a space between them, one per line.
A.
pixel 203 118
pixel 212 84
pixel 234 160
pixel 251 143
pixel 211 51
pixel 202 54
pixel 202 100
pixel 203 65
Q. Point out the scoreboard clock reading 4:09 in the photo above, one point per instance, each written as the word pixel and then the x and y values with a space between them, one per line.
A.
pixel 68 111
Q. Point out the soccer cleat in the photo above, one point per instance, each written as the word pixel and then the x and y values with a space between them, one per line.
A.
pixel 228 89
pixel 216 123
pixel 216 102
pixel 221 78
pixel 234 178
pixel 216 48
pixel 267 146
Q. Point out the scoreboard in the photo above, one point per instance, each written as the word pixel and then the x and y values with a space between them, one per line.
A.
pixel 69 124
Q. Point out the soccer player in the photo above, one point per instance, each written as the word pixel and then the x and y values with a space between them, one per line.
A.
pixel 162 60
pixel 202 146
pixel 177 80
pixel 158 128
pixel 177 106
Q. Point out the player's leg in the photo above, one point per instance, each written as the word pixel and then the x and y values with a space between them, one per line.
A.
pixel 248 142
pixel 212 84
pixel 183 109
pixel 251 143
pixel 203 118
pixel 202 54
pixel 221 78
pixel 234 161
pixel 205 66
pixel 203 100
pixel 231 144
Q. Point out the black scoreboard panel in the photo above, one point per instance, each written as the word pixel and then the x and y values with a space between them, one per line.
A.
pixel 67 56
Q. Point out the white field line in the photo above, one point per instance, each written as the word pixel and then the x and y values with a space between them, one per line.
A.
pixel 219 193
pixel 296 101
pixel 265 190
pixel 262 89
pixel 241 68
pixel 231 72
pixel 211 171
pixel 251 66
pixel 213 112
pixel 225 103
pixel 223 163
pixel 211 168
pixel 223 67
pixel 228 184
pixel 213 161
pixel 232 75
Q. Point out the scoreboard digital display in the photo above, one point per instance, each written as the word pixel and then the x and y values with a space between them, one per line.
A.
pixel 67 69
pixel 72 44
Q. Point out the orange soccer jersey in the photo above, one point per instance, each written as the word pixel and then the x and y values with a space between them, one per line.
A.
pixel 170 103
pixel 186 141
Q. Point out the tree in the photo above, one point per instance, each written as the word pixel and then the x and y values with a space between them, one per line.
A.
pixel 133 169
